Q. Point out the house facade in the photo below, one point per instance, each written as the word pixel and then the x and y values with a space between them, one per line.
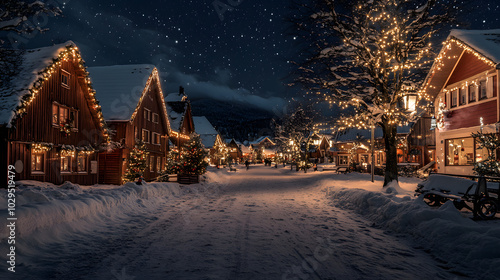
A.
pixel 133 106
pixel 463 83
pixel 51 124
pixel 319 147
pixel 180 117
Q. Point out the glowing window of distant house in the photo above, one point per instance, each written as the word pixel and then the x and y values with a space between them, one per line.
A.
pixel 37 162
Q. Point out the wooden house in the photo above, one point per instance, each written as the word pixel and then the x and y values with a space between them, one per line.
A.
pixel 421 140
pixel 50 121
pixel 210 138
pixel 234 150
pixel 319 147
pixel 463 83
pixel 180 117
pixel 133 105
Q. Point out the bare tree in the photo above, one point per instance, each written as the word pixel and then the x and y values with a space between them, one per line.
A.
pixel 15 16
pixel 368 55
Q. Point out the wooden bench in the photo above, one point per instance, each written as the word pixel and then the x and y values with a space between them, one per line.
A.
pixel 342 170
pixel 232 169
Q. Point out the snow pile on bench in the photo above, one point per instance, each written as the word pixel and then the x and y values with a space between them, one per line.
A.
pixel 45 205
pixel 463 245
pixel 450 184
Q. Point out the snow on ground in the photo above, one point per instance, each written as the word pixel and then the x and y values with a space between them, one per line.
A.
pixel 264 223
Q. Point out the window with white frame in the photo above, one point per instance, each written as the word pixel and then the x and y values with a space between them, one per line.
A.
pixel 482 89
pixel 156 118
pixel 145 136
pixel 62 115
pixel 147 114
pixel 462 96
pixel 155 139
pixel 472 93
pixel 454 98
pixel 65 79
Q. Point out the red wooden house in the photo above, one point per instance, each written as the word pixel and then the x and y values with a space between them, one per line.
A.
pixel 463 83
pixel 50 122
pixel 180 117
pixel 133 106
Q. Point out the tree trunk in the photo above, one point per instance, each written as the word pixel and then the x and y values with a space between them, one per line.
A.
pixel 391 162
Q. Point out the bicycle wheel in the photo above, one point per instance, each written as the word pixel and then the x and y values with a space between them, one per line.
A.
pixel 487 208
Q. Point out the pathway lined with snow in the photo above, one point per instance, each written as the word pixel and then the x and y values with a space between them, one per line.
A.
pixel 263 223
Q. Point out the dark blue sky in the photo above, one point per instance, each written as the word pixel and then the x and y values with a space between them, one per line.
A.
pixel 240 54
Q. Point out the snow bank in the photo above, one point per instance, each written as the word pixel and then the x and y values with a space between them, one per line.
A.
pixel 461 244
pixel 42 205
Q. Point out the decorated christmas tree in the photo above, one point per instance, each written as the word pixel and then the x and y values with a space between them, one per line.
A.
pixel 137 162
pixel 490 166
pixel 193 157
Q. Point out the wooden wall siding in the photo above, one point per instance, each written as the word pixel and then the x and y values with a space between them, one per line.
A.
pixel 21 151
pixel 124 132
pixel 110 164
pixel 421 134
pixel 468 66
pixel 36 126
pixel 469 116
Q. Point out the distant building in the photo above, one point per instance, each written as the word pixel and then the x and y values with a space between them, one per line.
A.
pixel 180 117
pixel 210 138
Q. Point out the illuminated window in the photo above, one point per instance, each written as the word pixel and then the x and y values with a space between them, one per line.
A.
pixel 66 164
pixel 155 139
pixel 37 162
pixel 463 151
pixel 82 163
pixel 55 114
pixel 158 164
pixel 151 163
pixel 145 136
pixel 343 160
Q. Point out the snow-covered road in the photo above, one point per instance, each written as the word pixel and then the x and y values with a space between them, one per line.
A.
pixel 263 223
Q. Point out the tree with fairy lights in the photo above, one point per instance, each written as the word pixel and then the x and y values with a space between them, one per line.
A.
pixel 491 142
pixel 137 162
pixel 369 56
pixel 193 156
pixel 293 132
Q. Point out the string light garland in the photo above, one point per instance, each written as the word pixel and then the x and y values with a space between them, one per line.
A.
pixel 39 148
pixel 70 53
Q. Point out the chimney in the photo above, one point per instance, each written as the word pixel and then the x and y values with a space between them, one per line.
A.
pixel 181 91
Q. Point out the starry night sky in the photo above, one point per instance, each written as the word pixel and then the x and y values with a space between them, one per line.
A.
pixel 237 55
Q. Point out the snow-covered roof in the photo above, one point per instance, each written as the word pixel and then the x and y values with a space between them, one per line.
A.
pixel 245 149
pixel 119 88
pixel 176 112
pixel 208 140
pixel 260 139
pixel 29 64
pixel 175 97
pixel 486 42
pixel 203 126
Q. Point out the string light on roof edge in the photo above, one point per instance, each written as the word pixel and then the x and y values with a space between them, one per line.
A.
pixel 71 52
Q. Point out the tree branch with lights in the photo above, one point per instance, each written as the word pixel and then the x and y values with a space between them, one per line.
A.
pixel 368 56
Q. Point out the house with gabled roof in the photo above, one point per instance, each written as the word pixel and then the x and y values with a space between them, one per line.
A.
pixel 133 105
pixel 180 116
pixel 210 138
pixel 464 83
pixel 51 124
pixel 234 149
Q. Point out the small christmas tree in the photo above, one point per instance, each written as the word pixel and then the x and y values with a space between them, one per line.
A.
pixel 137 162
pixel 193 157
pixel 490 166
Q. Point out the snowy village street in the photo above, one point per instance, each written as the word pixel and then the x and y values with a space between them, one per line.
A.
pixel 264 223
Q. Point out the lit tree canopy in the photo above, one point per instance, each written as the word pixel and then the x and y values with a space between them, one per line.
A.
pixel 367 55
